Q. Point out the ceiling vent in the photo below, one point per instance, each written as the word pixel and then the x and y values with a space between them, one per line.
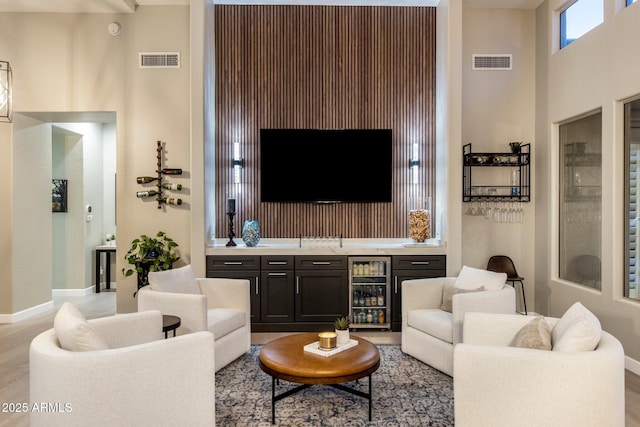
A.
pixel 159 59
pixel 492 62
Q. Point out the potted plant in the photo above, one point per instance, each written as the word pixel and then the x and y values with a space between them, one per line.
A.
pixel 150 254
pixel 515 147
pixel 342 329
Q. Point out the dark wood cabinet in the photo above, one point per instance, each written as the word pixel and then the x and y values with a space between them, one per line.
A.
pixel 277 293
pixel 239 267
pixel 322 289
pixel 407 267
pixel 294 293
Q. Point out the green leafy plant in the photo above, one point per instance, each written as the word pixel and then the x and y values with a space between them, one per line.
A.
pixel 150 254
pixel 342 323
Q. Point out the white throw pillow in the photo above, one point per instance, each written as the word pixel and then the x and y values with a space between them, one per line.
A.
pixel 181 280
pixel 73 331
pixel 473 278
pixel 577 330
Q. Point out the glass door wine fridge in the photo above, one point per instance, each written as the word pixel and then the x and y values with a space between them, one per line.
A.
pixel 369 284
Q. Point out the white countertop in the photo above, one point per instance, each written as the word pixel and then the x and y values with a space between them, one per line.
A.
pixel 329 247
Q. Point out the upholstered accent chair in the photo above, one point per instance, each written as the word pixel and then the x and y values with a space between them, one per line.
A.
pixel 220 306
pixel 503 379
pixel 433 311
pixel 119 371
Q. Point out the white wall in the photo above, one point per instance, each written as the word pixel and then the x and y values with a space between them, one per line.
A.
pixel 599 70
pixel 499 107
pixel 83 68
pixel 31 202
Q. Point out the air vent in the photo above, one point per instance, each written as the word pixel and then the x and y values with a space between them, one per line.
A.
pixel 159 59
pixel 492 62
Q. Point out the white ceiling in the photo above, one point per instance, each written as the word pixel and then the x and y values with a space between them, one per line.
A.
pixel 129 6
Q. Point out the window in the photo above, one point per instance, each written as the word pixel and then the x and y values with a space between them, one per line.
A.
pixel 630 2
pixel 581 200
pixel 632 218
pixel 580 18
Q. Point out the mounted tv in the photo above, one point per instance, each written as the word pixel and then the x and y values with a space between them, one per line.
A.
pixel 326 165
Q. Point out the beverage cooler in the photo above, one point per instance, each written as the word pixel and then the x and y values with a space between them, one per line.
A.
pixel 370 285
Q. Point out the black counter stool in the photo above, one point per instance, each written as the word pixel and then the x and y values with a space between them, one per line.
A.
pixel 504 264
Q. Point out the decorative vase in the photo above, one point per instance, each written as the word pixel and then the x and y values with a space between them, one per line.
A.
pixel 420 219
pixel 343 336
pixel 251 232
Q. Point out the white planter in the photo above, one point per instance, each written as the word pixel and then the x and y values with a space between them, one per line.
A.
pixel 343 336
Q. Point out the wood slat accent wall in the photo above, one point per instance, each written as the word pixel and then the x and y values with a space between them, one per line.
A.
pixel 323 67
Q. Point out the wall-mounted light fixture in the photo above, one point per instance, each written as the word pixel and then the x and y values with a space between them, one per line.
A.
pixel 6 107
pixel 238 163
pixel 414 163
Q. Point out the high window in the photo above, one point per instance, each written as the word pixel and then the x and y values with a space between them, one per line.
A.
pixel 630 2
pixel 580 201
pixel 632 217
pixel 580 18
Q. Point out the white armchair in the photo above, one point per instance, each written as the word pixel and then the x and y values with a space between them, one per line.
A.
pixel 220 306
pixel 430 333
pixel 136 378
pixel 496 384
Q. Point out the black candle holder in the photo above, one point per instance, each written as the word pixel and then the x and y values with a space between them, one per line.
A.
pixel 231 233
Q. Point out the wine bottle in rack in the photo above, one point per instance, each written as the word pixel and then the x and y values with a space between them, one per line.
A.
pixel 169 171
pixel 172 200
pixel 145 179
pixel 143 194
pixel 171 186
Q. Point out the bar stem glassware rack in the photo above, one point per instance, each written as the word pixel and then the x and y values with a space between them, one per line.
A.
pixel 369 290
pixel 518 189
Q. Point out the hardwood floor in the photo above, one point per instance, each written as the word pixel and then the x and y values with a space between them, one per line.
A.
pixel 15 339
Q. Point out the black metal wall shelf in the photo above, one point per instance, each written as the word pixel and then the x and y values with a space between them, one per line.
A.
pixel 520 162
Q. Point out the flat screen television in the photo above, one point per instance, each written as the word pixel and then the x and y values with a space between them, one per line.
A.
pixel 326 165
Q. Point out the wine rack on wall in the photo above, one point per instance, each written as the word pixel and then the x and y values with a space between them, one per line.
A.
pixel 323 67
pixel 160 194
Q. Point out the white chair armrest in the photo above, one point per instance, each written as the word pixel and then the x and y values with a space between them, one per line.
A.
pixel 226 293
pixel 423 293
pixel 547 388
pixel 190 308
pixel 500 301
pixel 123 330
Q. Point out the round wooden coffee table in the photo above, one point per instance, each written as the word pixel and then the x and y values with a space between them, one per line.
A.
pixel 285 358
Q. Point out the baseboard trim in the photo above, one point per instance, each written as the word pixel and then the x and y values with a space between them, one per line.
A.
pixel 27 313
pixel 632 365
pixel 73 292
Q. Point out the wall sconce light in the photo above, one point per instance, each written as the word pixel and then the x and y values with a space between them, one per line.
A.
pixel 238 163
pixel 414 162
pixel 6 107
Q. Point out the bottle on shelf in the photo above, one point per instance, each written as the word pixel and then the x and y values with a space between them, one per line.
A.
pixel 143 194
pixel 380 316
pixel 171 186
pixel 145 179
pixel 172 200
pixel 369 316
pixel 170 171
pixel 380 296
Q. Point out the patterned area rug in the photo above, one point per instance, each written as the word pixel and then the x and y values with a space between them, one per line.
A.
pixel 406 392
